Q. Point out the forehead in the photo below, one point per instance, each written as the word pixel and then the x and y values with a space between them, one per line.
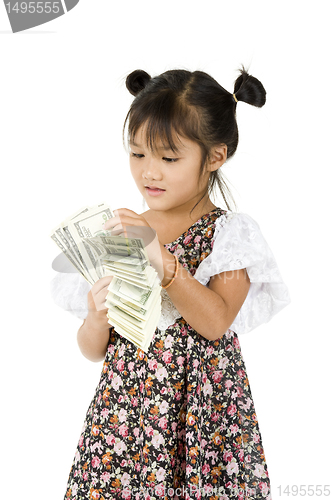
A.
pixel 143 139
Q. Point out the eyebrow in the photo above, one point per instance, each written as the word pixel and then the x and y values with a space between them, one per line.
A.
pixel 167 148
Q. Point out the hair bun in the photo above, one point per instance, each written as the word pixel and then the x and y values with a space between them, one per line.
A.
pixel 250 90
pixel 137 80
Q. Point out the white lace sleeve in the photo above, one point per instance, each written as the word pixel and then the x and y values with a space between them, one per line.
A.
pixel 238 243
pixel 70 291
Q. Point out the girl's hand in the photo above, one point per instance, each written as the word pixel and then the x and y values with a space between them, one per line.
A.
pixel 131 225
pixel 96 302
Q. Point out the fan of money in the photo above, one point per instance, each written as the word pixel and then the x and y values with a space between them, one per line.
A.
pixel 134 294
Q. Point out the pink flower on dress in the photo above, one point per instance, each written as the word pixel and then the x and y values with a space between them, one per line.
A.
pixel 125 480
pixel 123 430
pixel 179 251
pixel 149 430
pixel 223 362
pixel 168 341
pixel 126 494
pixel 163 408
pixel 105 412
pixel 231 410
pixel 187 239
pixel 239 391
pixel 106 476
pixel 234 429
pixel 116 382
pixel 163 423
pixel 206 469
pixel 157 440
pixel 110 439
pixel 188 469
pixel 120 365
pixel 264 488
pixel 228 456
pixel 134 401
pixel 131 366
pixel 95 461
pixel 161 373
pixel 160 474
pixel 180 360
pixel 228 384
pixel 153 364
pixel 259 470
pixel 217 376
pixel 167 357
pixel 214 416
pixel 256 438
pixel 120 447
pixel 209 350
pixel 236 343
pixel 122 415
pixel 232 468
pixel 195 363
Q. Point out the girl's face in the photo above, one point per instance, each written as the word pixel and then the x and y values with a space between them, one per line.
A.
pixel 177 174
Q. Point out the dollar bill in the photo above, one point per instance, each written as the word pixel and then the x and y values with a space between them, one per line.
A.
pixel 133 299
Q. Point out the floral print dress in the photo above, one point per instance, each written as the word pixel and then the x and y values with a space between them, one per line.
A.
pixel 178 422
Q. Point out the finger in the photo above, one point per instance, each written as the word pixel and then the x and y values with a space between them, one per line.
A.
pixel 100 284
pixel 125 211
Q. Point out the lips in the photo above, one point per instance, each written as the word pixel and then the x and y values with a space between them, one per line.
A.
pixel 155 187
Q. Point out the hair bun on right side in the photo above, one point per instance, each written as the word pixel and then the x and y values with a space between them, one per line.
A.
pixel 137 80
pixel 250 90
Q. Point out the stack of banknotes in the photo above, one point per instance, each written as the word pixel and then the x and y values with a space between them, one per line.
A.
pixel 134 294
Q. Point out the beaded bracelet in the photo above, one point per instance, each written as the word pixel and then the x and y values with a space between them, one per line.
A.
pixel 175 274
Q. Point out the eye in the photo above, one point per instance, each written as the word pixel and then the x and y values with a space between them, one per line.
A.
pixel 170 160
pixel 137 155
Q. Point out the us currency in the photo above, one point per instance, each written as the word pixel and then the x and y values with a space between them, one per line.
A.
pixel 133 300
pixel 70 234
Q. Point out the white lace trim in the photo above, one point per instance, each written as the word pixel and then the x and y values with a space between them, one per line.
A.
pixel 237 243
pixel 70 292
pixel 240 244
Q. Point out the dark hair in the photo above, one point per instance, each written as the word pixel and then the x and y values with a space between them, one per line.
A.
pixel 193 105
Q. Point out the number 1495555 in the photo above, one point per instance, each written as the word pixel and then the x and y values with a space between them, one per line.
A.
pixel 305 489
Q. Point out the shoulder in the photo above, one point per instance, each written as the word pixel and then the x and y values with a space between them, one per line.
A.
pixel 238 243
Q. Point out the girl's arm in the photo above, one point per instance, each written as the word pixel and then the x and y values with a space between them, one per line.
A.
pixel 210 310
pixel 93 335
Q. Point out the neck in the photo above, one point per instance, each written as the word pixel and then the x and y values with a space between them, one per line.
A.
pixel 182 212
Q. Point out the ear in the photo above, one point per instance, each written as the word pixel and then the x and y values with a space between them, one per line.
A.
pixel 218 156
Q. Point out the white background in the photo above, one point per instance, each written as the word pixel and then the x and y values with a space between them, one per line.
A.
pixel 63 102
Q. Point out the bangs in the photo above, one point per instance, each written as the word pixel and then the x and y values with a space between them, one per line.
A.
pixel 165 118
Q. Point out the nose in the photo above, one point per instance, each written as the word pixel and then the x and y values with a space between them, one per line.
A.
pixel 152 169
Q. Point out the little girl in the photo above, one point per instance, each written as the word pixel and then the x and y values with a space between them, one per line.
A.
pixel 179 422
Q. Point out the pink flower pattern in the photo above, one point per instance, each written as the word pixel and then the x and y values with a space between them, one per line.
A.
pixel 178 422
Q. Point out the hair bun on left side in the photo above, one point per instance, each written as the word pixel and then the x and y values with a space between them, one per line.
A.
pixel 137 80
